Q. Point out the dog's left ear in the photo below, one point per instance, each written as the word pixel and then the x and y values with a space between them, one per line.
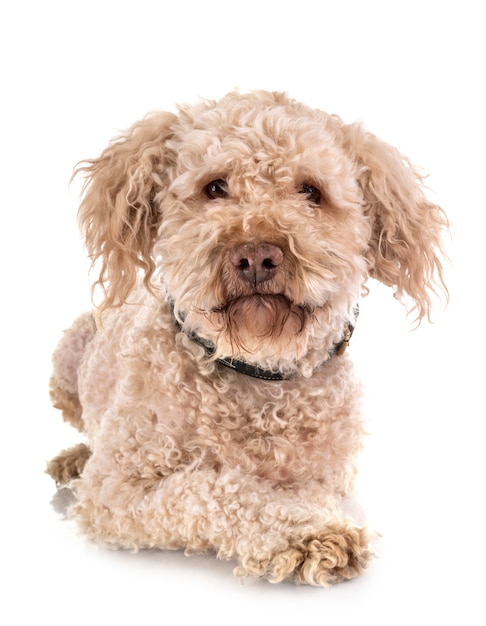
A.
pixel 406 247
pixel 119 212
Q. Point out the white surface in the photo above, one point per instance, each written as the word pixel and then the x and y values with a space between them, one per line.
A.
pixel 75 73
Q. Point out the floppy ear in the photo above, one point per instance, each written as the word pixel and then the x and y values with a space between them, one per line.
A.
pixel 118 215
pixel 406 246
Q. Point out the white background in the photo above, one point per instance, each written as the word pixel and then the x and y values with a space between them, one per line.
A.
pixel 73 75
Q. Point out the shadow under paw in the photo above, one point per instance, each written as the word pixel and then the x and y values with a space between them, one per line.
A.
pixel 62 500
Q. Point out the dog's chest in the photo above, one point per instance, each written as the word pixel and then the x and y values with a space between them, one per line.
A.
pixel 282 431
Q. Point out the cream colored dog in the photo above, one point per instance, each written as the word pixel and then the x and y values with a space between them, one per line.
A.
pixel 234 241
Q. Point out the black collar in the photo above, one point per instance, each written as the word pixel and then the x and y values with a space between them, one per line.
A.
pixel 254 370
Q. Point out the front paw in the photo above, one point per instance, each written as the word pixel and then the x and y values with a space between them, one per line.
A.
pixel 338 553
pixel 68 464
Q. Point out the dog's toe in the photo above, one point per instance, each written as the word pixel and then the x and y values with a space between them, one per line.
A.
pixel 69 464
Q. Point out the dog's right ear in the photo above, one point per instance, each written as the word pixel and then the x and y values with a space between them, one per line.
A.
pixel 118 215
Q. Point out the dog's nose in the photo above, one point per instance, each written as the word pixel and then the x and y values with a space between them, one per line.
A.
pixel 256 263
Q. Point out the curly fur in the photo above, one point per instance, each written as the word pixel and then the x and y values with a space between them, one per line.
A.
pixel 266 266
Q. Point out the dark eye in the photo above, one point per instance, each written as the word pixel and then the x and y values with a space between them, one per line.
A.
pixel 217 189
pixel 313 194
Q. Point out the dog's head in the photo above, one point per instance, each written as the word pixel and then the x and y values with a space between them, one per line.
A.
pixel 261 219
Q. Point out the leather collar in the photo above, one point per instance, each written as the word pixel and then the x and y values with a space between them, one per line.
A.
pixel 254 370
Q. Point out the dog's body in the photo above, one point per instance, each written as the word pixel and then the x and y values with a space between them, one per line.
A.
pixel 220 411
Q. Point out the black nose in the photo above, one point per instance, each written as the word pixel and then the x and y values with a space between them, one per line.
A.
pixel 256 263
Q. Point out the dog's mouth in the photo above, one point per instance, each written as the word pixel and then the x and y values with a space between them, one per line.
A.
pixel 249 320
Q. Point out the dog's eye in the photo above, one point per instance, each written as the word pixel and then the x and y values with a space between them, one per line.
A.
pixel 313 194
pixel 217 189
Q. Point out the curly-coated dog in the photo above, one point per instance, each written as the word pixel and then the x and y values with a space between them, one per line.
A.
pixel 233 241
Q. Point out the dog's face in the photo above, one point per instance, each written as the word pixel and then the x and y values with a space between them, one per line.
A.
pixel 261 219
pixel 262 239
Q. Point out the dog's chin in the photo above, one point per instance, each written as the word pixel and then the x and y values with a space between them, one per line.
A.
pixel 249 322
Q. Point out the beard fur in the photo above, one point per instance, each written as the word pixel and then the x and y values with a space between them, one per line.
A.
pixel 250 321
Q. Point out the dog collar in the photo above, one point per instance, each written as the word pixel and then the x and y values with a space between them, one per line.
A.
pixel 254 370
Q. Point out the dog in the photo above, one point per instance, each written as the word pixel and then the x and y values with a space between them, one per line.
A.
pixel 233 241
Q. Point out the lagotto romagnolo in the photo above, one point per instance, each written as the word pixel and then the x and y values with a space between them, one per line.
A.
pixel 234 241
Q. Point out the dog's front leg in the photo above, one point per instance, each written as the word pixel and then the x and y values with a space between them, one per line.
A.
pixel 278 535
pixel 274 533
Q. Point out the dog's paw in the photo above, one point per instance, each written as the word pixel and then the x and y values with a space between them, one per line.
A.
pixel 338 553
pixel 69 464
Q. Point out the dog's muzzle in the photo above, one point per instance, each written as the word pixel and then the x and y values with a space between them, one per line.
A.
pixel 255 371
